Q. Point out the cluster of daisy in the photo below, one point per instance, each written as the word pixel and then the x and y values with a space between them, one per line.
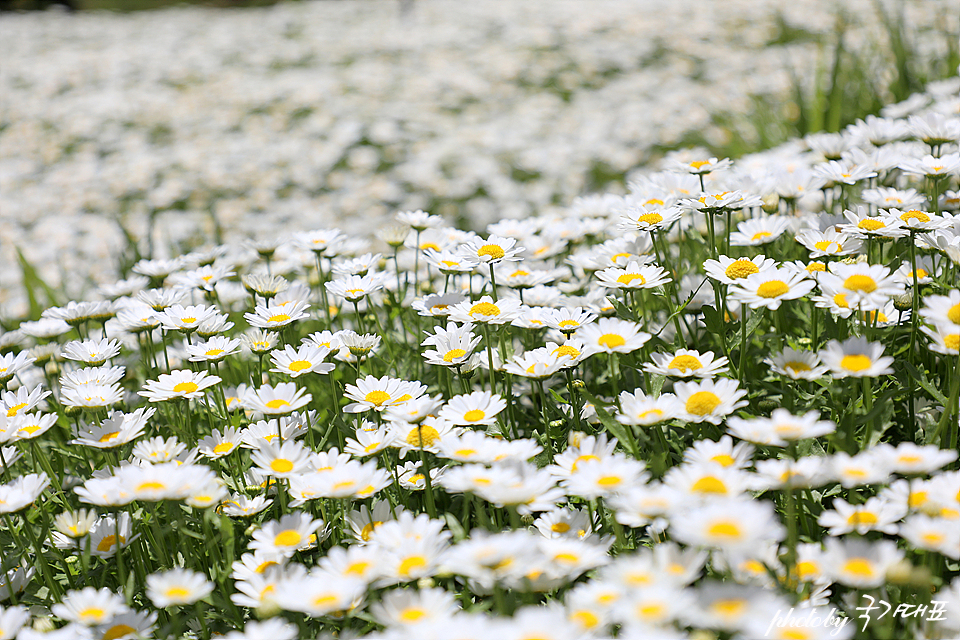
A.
pixel 301 115
pixel 731 392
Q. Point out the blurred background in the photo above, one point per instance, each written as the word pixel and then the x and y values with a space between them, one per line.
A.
pixel 130 130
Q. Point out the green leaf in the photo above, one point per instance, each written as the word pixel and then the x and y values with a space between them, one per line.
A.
pixel 618 430
pixel 656 384
pixel 921 377
pixel 32 282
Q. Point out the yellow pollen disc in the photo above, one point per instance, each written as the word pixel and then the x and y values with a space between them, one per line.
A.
pixel 724 530
pixel 108 541
pixel 795 634
pixel 953 315
pixel 485 309
pixel 915 215
pixel 473 415
pixel 560 527
pixel 177 592
pixel 340 486
pixel 584 458
pixel 585 619
pixel 650 610
pixel 860 283
pixel 411 564
pixel 185 387
pixel 566 350
pixel 841 301
pixel 148 486
pixel 797 367
pixel 415 478
pixel 223 447
pixel 370 447
pixel 921 274
pixel 650 412
pixel 856 362
pixel 685 363
pixel 741 269
pixel 815 266
pixel 402 399
pixel 412 615
pixel 709 484
pixel 650 218
pixel 611 340
pixel 453 354
pixel 353 292
pixel 357 568
pixel 277 403
pixel 495 251
pixel 280 317
pixel 696 164
pixel 118 631
pixel 858 518
pixel 628 278
pixel 324 601
pixel 566 557
pixel 755 567
pixel 439 307
pixel 723 460
pixel 870 224
pixel 430 245
pixel 609 481
pixel 465 453
pixel 932 538
pixel 617 256
pixel 859 567
pixel 654 201
pixel 281 465
pixel 918 498
pixel 566 324
pixel 422 436
pixel 806 570
pixel 188 320
pixel 213 352
pixel 288 538
pixel 952 341
pixel 300 365
pixel 729 608
pixel 519 273
pixel 773 289
pixel 702 402
pixel 760 235
pixel 827 247
pixel 377 397
pixel 368 529
pixel 109 436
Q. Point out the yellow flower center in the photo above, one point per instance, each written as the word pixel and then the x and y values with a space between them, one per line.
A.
pixel 485 309
pixel 107 542
pixel 609 481
pixel 566 324
pixel 815 266
pixel 560 527
pixel 709 484
pixel 870 224
pixel 913 214
pixel 188 320
pixel 474 415
pixel 277 403
pixel 118 631
pixel 723 459
pixel 495 251
pixel 281 465
pixel 628 278
pixel 726 529
pixel 411 564
pixel 325 601
pixel 109 436
pixel 952 341
pixel 795 634
pixel 12 411
pixel 185 387
pixel 465 453
pixel 856 362
pixel 807 569
pixel 412 615
pixel 368 529
pixel 860 282
pixel 826 246
pixel 423 436
pixel 858 518
pixel 300 365
pixel 178 593
pixel 759 235
pixel 953 315
pixel 741 269
pixel 213 352
pixel 729 608
pixel 585 619
pixel 223 447
pixel 654 201
pixel 702 402
pixel 773 289
pixel 611 340
pixel 288 538
pixel 797 366
pixel 932 538
pixel 453 354
pixel 685 363
pixel 859 567
pixel 584 458
pixel 566 350
pixel 697 164
pixel 377 397
pixel 151 486
pixel 650 218
pixel 841 301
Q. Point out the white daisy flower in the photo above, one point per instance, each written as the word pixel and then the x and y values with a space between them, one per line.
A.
pixel 856 357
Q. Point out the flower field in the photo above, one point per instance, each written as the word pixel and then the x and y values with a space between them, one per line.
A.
pixel 325 338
